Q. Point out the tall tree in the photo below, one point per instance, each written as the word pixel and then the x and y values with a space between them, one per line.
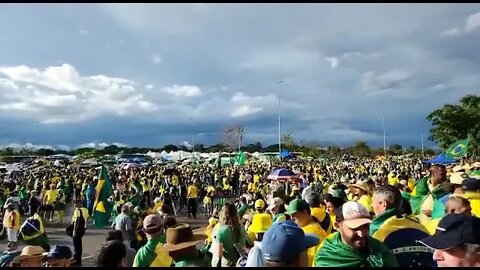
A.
pixel 233 137
pixel 361 148
pixel 454 122
pixel 288 142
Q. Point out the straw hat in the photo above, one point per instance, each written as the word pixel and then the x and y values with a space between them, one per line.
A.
pixel 457 178
pixel 275 202
pixel 467 167
pixel 476 164
pixel 30 252
pixel 361 185
pixel 458 168
pixel 180 237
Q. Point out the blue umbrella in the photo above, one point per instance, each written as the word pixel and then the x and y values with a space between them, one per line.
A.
pixel 282 174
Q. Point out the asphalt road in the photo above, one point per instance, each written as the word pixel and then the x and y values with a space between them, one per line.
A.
pixel 95 236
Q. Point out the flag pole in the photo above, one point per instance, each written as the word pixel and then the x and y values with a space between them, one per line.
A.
pixel 279 123
pixel 384 138
pixel 422 143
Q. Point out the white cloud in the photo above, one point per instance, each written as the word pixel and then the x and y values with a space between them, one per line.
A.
pixel 101 145
pixel 83 32
pixel 377 84
pixel 451 32
pixel 472 22
pixel 156 59
pixel 60 94
pixel 149 87
pixel 333 62
pixel 183 91
pixel 244 110
pixel 186 144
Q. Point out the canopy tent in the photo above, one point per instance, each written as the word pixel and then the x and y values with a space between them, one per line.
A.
pixel 440 159
pixel 286 154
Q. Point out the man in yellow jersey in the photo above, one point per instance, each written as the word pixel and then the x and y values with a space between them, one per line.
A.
pixel 192 193
pixel 48 200
pixel 299 210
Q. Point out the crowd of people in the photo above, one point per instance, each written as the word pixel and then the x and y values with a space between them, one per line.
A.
pixel 351 212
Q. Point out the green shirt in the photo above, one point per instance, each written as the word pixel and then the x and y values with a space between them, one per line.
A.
pixel 200 261
pixel 242 210
pixel 146 254
pixel 224 235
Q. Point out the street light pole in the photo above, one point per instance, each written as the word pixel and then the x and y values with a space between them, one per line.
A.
pixel 279 123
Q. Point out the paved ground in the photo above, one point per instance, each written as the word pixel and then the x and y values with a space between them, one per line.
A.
pixel 94 236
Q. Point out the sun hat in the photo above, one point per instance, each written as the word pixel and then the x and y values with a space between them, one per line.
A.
pixel 180 237
pixel 260 223
pixel 30 252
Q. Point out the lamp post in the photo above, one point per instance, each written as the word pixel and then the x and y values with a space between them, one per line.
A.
pixel 279 123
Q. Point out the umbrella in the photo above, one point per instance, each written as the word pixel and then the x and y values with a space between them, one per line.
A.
pixel 171 171
pixel 283 174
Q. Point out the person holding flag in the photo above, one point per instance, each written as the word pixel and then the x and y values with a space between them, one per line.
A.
pixel 102 206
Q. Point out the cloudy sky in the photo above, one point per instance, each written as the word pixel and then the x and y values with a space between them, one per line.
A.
pixel 152 74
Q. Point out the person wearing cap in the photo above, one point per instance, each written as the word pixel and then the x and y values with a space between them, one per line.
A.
pixel 286 244
pixel 352 246
pixel 150 255
pixel 181 246
pixel 277 209
pixel 299 210
pixel 430 195
pixel 456 242
pixel 229 233
pixel 399 231
pixel 471 192
pixel 456 180
pixel 49 199
pixel 31 256
pixel 59 256
pixel 123 223
pixel 361 194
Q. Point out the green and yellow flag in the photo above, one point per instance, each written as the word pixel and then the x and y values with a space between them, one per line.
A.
pixel 240 159
pixel 458 149
pixel 102 207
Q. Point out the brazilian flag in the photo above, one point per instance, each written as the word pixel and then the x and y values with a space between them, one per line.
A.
pixel 102 207
pixel 458 149
pixel 240 159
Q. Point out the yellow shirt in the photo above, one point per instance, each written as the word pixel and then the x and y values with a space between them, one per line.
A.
pixel 315 229
pixel 192 191
pixel 175 181
pixel 366 201
pixel 256 179
pixel 51 196
pixel 76 214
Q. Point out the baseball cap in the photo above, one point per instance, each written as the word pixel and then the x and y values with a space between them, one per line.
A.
pixel 275 202
pixel 353 215
pixel 454 230
pixel 59 252
pixel 471 184
pixel 284 241
pixel 297 205
pixel 259 204
pixel 153 221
